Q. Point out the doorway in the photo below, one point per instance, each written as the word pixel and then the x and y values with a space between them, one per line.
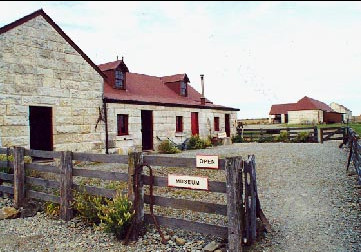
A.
pixel 194 123
pixel 227 127
pixel 147 129
pixel 41 128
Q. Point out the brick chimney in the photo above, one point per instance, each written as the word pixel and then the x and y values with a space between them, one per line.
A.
pixel 203 99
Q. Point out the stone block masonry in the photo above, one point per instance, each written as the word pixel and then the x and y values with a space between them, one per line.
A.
pixel 38 67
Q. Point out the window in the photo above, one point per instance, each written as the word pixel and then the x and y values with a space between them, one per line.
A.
pixel 216 123
pixel 183 88
pixel 122 121
pixel 179 124
pixel 119 80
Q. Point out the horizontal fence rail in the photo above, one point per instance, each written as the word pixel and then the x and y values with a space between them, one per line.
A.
pixel 242 207
pixel 315 134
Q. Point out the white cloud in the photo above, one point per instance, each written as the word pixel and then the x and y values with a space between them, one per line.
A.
pixel 253 54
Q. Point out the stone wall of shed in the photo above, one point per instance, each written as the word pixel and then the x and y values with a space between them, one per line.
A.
pixel 39 68
pixel 305 117
pixel 164 124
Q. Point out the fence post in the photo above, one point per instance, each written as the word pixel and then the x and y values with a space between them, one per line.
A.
pixel 234 203
pixel 19 177
pixel 315 134
pixel 136 193
pixel 66 183
pixel 320 135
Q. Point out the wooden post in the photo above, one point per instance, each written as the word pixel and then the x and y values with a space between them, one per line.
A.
pixel 315 134
pixel 135 160
pixel 19 177
pixel 252 172
pixel 320 135
pixel 66 183
pixel 234 203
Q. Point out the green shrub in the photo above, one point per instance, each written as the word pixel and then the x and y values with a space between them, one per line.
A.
pixel 87 206
pixel 52 209
pixel 237 139
pixel 116 215
pixel 195 142
pixel 207 142
pixel 10 158
pixel 302 137
pixel 167 147
pixel 265 139
pixel 283 137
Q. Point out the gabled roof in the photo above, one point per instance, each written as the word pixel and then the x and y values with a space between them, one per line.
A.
pixel 145 89
pixel 175 78
pixel 306 103
pixel 112 65
pixel 41 12
pixel 281 108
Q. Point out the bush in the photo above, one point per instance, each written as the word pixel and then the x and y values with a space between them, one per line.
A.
pixel 237 139
pixel 195 143
pixel 167 147
pixel 265 139
pixel 116 215
pixel 52 209
pixel 4 157
pixel 87 206
pixel 283 137
pixel 302 137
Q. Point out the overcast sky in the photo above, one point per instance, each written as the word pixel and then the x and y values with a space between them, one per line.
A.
pixel 253 54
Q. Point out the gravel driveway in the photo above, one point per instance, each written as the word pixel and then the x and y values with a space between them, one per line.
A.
pixel 310 200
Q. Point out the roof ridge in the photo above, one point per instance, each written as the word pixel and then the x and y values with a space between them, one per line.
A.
pixel 48 19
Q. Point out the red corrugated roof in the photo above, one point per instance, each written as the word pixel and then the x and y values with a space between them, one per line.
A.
pixel 306 103
pixel 143 88
pixel 281 108
pixel 174 78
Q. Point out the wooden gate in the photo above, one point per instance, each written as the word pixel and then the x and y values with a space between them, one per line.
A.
pixel 332 133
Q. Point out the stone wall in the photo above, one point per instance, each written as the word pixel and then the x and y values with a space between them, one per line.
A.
pixel 39 68
pixel 164 124
pixel 305 117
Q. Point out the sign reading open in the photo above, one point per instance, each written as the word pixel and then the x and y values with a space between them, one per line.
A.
pixel 207 161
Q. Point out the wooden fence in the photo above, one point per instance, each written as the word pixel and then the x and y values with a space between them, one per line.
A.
pixel 315 134
pixel 242 208
pixel 352 141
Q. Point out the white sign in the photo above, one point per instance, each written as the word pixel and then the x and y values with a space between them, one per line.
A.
pixel 222 135
pixel 206 161
pixel 184 181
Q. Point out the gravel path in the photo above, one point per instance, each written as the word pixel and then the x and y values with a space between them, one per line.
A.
pixel 305 191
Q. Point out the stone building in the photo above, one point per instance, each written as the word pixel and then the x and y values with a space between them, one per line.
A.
pixel 50 91
pixel 143 110
pixel 346 113
pixel 305 111
pixel 53 97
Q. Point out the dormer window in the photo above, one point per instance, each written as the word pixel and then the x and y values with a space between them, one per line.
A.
pixel 119 79
pixel 183 88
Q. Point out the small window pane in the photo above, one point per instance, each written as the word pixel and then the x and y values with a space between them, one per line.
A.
pixel 183 88
pixel 122 121
pixel 179 124
pixel 216 123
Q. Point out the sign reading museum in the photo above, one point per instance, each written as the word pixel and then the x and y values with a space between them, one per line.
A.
pixel 184 181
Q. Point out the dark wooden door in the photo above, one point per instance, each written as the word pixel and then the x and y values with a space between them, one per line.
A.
pixel 147 129
pixel 194 123
pixel 227 127
pixel 41 128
